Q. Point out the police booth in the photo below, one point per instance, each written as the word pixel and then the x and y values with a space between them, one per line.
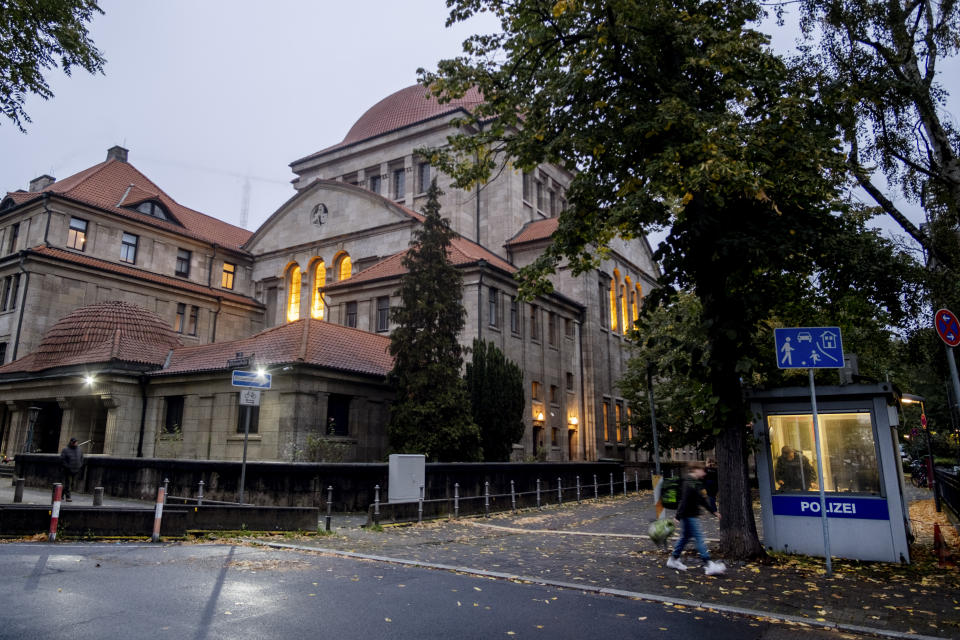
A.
pixel 862 477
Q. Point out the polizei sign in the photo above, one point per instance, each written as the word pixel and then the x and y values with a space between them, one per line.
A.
pixel 862 508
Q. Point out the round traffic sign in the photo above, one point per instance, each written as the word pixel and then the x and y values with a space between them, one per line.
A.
pixel 947 326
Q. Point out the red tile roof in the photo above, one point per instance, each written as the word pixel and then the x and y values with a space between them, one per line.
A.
pixel 114 185
pixel 462 252
pixel 141 274
pixel 101 332
pixel 535 230
pixel 312 342
pixel 401 109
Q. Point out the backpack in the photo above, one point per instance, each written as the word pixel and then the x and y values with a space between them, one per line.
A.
pixel 670 492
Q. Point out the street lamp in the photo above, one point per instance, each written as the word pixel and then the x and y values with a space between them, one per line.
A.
pixel 908 398
pixel 32 414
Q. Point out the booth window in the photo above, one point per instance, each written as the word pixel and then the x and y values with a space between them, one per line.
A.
pixel 847 444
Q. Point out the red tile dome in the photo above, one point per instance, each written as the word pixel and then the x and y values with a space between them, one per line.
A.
pixel 403 108
pixel 106 331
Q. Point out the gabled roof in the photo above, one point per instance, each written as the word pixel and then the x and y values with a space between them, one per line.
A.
pixel 402 109
pixel 462 252
pixel 141 274
pixel 100 333
pixel 308 341
pixel 115 185
pixel 535 230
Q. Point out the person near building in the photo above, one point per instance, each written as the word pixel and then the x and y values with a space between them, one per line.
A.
pixel 693 497
pixel 71 460
pixel 793 472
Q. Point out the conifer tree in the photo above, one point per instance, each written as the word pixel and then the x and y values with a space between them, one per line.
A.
pixel 431 412
pixel 495 385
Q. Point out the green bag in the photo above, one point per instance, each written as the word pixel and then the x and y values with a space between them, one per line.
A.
pixel 670 492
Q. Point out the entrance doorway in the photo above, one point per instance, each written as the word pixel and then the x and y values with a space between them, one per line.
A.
pixel 46 431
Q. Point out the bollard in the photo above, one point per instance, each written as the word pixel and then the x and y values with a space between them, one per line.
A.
pixel 98 496
pixel 376 504
pixel 420 506
pixel 578 489
pixel 158 513
pixel 538 493
pixel 611 484
pixel 624 484
pixel 559 491
pixel 18 490
pixel 329 506
pixel 55 511
pixel 595 488
pixel 513 497
pixel 636 480
pixel 200 494
pixel 486 498
pixel 456 499
pixel 166 488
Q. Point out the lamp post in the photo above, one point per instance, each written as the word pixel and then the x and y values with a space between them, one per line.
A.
pixel 32 414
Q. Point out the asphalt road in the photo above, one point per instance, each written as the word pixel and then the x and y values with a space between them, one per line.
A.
pixel 80 591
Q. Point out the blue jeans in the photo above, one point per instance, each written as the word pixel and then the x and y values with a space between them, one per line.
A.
pixel 691 529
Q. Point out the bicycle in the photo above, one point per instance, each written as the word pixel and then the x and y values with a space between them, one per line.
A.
pixel 918 475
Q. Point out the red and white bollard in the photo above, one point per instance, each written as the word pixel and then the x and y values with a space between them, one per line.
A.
pixel 55 511
pixel 158 514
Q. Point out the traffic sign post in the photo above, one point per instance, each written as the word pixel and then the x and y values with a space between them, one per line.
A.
pixel 812 348
pixel 948 327
pixel 250 383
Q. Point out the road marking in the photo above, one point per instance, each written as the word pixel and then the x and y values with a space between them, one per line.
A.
pixel 635 536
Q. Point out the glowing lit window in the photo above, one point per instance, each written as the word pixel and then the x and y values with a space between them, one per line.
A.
pixel 319 281
pixel 293 298
pixel 625 323
pixel 345 268
pixel 613 305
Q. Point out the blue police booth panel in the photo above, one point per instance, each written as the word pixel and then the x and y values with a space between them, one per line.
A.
pixel 862 477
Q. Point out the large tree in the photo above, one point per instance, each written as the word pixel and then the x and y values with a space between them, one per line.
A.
pixel 37 36
pixel 431 412
pixel 495 385
pixel 673 114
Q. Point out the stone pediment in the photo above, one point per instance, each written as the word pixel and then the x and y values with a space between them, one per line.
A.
pixel 326 209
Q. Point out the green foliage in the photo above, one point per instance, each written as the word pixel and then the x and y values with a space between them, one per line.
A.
pixel 37 36
pixel 320 448
pixel 495 385
pixel 430 414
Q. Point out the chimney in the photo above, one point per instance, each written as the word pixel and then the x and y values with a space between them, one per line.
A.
pixel 41 183
pixel 117 153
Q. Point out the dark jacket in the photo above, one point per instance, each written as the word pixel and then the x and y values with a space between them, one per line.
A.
pixel 711 482
pixel 71 458
pixel 797 474
pixel 692 497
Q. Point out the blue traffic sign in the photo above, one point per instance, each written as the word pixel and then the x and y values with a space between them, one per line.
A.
pixel 947 326
pixel 809 348
pixel 251 380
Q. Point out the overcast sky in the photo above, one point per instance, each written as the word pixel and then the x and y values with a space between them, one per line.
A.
pixel 208 94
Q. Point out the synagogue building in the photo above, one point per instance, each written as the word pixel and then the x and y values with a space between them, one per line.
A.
pixel 123 312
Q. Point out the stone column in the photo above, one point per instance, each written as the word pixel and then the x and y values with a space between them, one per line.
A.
pixel 67 427
pixel 110 433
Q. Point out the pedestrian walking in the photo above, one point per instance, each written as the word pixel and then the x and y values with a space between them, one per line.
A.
pixel 688 513
pixel 71 461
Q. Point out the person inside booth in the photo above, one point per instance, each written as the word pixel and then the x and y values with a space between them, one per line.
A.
pixel 794 472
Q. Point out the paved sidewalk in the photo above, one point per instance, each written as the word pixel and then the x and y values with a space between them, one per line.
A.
pixel 603 545
pixel 32 495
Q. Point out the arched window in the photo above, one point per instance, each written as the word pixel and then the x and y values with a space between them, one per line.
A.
pixel 625 317
pixel 613 301
pixel 319 281
pixel 293 296
pixel 344 268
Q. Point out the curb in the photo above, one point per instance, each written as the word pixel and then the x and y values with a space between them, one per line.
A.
pixel 709 606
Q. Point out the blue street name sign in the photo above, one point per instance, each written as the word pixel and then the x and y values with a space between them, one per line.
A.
pixel 809 348
pixel 251 380
pixel 809 505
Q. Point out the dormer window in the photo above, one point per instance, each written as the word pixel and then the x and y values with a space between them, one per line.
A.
pixel 7 203
pixel 154 209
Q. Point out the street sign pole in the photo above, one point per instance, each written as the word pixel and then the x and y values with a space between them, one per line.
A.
pixel 821 483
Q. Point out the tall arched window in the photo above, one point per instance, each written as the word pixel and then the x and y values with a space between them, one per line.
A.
pixel 614 313
pixel 293 296
pixel 319 281
pixel 344 268
pixel 637 301
pixel 625 317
